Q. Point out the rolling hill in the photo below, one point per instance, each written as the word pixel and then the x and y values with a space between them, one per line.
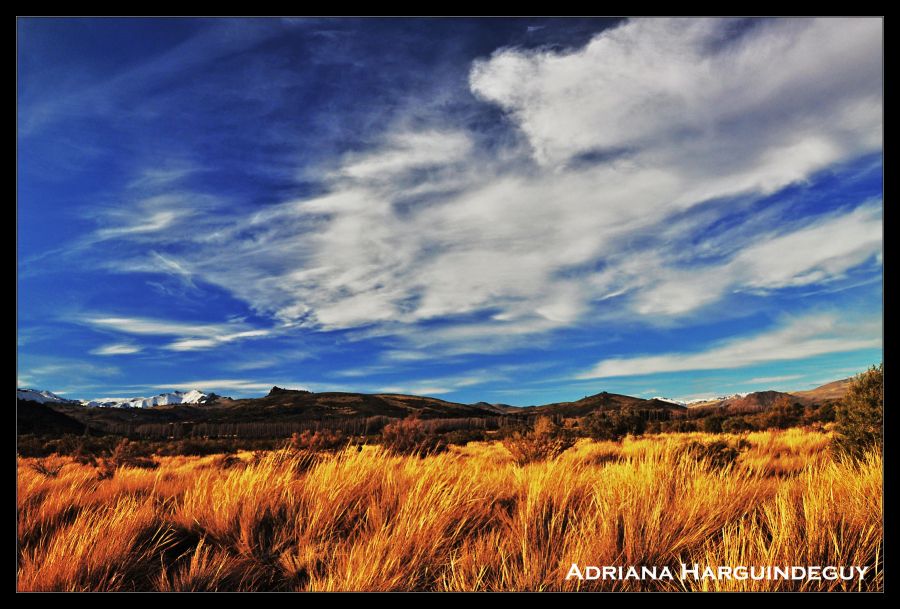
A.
pixel 829 391
pixel 750 402
pixel 599 402
pixel 289 402
pixel 296 406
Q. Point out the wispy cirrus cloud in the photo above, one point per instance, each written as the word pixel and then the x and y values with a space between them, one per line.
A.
pixel 190 337
pixel 821 251
pixel 796 339
pixel 361 255
pixel 98 93
pixel 243 385
pixel 118 349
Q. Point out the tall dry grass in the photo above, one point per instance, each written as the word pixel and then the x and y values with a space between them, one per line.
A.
pixel 466 519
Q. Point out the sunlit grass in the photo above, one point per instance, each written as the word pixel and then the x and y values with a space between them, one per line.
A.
pixel 466 519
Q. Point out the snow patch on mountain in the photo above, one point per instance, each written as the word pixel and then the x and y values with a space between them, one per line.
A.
pixel 669 400
pixel 164 399
pixel 704 400
pixel 41 396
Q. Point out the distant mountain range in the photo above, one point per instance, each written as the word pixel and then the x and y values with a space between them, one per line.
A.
pixel 163 399
pixel 286 406
pixel 41 397
pixel 749 402
pixel 395 403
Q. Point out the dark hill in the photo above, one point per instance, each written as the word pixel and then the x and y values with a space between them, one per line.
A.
pixel 305 404
pixel 601 401
pixel 40 419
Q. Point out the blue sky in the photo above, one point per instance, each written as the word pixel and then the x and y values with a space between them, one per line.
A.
pixel 508 210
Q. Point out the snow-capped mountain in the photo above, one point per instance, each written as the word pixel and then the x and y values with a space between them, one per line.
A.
pixel 669 400
pixel 177 397
pixel 41 396
pixel 698 401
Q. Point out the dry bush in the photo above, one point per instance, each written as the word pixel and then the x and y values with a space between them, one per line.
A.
pixel 318 441
pixel 410 436
pixel 717 453
pixel 226 461
pixel 132 454
pixel 45 468
pixel 546 441
pixel 125 454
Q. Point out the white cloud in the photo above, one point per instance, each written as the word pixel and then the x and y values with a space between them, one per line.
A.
pixel 117 349
pixel 821 251
pixel 505 250
pixel 437 386
pixel 227 384
pixel 140 325
pixel 193 344
pixel 155 222
pixel 797 339
pixel 406 152
pixel 674 81
pixel 191 336
pixel 824 249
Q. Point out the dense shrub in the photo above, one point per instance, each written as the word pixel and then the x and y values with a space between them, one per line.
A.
pixel 713 423
pixel 819 413
pixel 784 413
pixel 736 425
pixel 195 447
pixel 614 424
pixel 859 417
pixel 680 426
pixel 84 448
pixel 464 436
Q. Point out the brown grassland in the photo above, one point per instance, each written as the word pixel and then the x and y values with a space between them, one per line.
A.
pixel 469 518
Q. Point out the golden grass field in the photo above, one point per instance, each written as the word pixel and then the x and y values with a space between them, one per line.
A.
pixel 466 519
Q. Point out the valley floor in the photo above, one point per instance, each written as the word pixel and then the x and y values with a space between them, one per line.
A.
pixel 466 519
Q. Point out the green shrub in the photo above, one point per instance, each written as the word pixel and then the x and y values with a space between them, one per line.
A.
pixel 614 424
pixel 713 423
pixel 859 417
pixel 784 413
pixel 736 425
